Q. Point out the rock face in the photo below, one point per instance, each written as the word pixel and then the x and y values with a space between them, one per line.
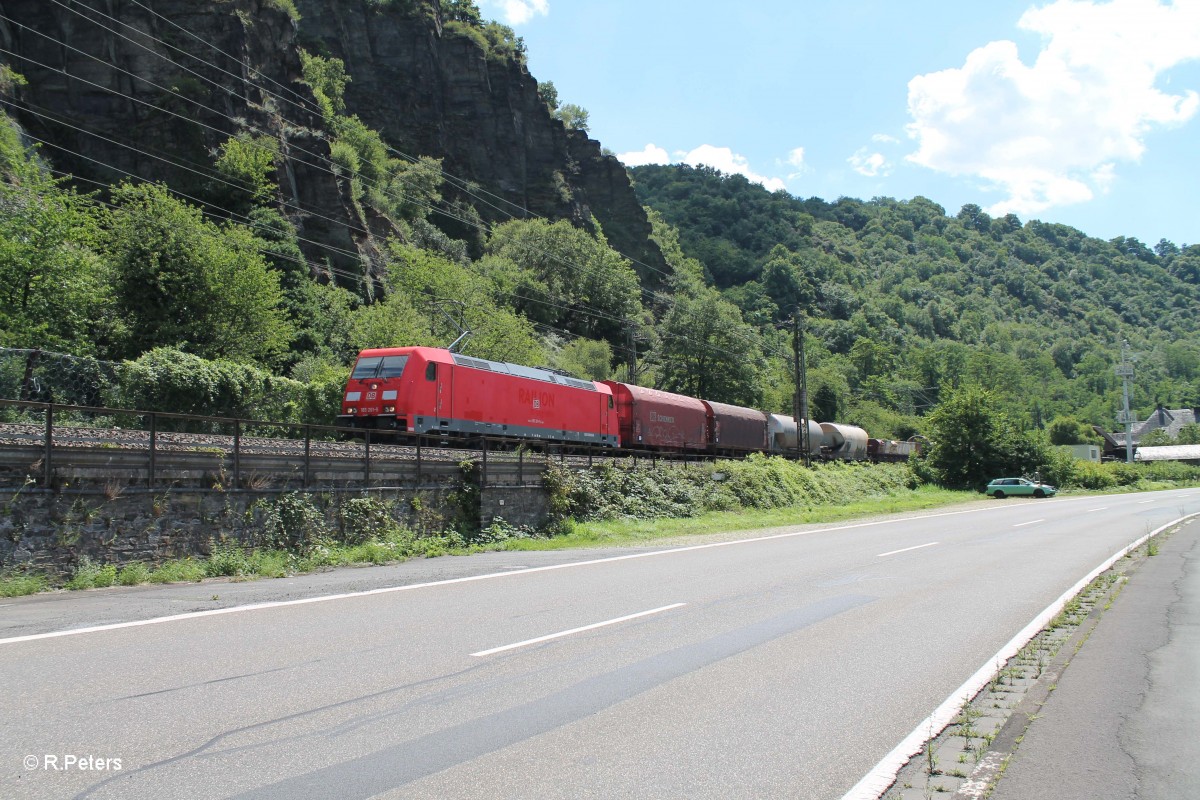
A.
pixel 149 89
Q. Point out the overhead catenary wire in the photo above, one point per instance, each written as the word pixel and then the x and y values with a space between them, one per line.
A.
pixel 581 308
pixel 461 183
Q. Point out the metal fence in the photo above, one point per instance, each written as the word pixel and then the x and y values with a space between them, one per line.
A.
pixel 40 442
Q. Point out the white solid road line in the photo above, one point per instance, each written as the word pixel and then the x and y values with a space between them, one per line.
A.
pixel 470 579
pixel 591 627
pixel 490 576
pixel 875 782
pixel 1031 522
pixel 905 550
pixel 1090 510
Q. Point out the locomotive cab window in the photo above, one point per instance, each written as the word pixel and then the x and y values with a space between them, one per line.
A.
pixel 392 366
pixel 431 371
pixel 379 367
pixel 610 401
pixel 367 367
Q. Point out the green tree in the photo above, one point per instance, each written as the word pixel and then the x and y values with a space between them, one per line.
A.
pixel 1155 438
pixel 563 276
pixel 327 77
pixel 248 163
pixel 1068 430
pixel 975 441
pixel 707 350
pixel 573 116
pixel 584 358
pixel 54 285
pixel 549 94
pixel 184 282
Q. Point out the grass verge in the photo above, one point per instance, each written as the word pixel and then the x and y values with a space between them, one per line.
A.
pixel 629 531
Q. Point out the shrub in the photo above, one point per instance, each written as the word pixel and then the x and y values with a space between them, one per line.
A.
pixel 187 570
pixel 90 575
pixel 21 585
pixel 292 523
pixel 133 573
pixel 366 518
pixel 227 560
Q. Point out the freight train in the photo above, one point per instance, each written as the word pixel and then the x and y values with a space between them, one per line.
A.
pixel 429 390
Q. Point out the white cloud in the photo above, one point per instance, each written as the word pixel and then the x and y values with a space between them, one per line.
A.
pixel 729 162
pixel 1052 133
pixel 796 159
pixel 517 12
pixel 651 154
pixel 873 165
pixel 883 138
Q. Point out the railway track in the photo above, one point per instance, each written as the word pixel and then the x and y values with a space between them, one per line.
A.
pixel 29 453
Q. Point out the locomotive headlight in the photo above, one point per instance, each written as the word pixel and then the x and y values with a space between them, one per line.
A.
pixel 351 410
pixel 389 409
pixel 374 386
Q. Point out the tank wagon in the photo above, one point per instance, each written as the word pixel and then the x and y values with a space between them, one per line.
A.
pixel 784 435
pixel 843 442
pixel 425 390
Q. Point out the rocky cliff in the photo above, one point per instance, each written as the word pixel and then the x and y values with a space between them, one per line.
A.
pixel 150 89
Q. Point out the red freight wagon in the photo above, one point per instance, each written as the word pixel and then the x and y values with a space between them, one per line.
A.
pixel 650 418
pixel 733 428
pixel 426 389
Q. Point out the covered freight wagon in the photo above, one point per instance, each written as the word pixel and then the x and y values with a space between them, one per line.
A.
pixel 650 418
pixel 734 429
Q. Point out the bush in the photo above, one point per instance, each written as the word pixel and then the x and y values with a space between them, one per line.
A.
pixel 645 491
pixel 177 382
pixel 227 561
pixel 21 585
pixel 90 575
pixel 133 574
pixel 365 518
pixel 187 570
pixel 292 523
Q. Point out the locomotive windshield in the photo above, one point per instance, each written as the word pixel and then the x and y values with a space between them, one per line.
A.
pixel 379 367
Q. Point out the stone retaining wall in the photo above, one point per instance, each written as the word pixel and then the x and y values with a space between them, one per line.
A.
pixel 49 531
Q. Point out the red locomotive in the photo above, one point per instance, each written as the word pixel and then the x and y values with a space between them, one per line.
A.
pixel 423 390
pixel 430 390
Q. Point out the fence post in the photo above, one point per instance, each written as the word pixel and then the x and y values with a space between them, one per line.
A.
pixel 419 438
pixel 367 464
pixel 153 450
pixel 307 452
pixel 237 454
pixel 520 465
pixel 483 472
pixel 47 459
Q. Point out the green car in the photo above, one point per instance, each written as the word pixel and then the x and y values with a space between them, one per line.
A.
pixel 1018 487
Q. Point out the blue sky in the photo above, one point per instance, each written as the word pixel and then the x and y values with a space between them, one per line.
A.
pixel 1071 111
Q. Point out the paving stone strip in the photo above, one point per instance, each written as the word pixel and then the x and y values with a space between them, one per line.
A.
pixel 966 759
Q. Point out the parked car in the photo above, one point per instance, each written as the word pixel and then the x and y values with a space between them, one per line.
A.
pixel 1018 487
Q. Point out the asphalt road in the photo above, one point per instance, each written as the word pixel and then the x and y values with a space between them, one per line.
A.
pixel 781 666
